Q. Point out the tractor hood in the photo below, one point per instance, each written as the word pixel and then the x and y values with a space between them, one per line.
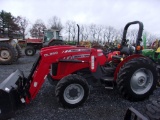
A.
pixel 147 52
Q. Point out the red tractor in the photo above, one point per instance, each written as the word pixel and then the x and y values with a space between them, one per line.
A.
pixel 50 38
pixel 134 75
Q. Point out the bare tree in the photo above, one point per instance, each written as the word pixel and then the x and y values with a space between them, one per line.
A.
pixel 86 33
pixel 68 29
pixel 23 23
pixel 81 33
pixel 132 36
pixel 37 29
pixel 151 38
pixel 93 32
pixel 119 34
pixel 71 29
pixel 109 33
pixel 99 29
pixel 55 23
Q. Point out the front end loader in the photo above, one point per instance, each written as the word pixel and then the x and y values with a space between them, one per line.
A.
pixel 16 89
pixel 11 94
pixel 75 68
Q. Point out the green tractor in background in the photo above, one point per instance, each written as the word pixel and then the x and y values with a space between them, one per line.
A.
pixel 154 52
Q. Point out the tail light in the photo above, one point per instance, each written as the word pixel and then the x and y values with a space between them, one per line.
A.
pixel 118 46
pixel 139 48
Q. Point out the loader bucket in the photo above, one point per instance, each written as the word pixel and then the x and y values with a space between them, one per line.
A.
pixel 10 94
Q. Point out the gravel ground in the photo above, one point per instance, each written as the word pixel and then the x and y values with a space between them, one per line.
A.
pixel 102 104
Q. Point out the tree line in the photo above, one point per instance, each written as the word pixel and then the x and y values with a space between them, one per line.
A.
pixel 11 26
pixel 16 26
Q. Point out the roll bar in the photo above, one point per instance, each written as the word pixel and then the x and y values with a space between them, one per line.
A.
pixel 139 32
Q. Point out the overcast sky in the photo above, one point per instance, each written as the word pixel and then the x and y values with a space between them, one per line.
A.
pixel 114 13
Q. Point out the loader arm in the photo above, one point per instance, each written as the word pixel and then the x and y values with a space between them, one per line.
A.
pixel 49 56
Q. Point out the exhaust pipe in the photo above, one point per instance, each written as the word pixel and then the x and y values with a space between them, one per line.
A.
pixel 78 34
pixel 11 94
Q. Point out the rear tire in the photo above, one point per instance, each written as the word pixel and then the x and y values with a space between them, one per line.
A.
pixel 30 51
pixel 137 79
pixel 8 54
pixel 72 91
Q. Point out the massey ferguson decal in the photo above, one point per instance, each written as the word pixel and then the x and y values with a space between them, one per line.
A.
pixel 50 54
pixel 76 50
pixel 77 56
pixel 81 56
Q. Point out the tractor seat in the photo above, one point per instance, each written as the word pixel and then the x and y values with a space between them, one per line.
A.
pixel 126 50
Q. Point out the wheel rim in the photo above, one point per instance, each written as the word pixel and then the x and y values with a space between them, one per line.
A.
pixel 141 81
pixel 4 55
pixel 73 93
pixel 29 52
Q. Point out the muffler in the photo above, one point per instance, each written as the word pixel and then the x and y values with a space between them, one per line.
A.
pixel 11 94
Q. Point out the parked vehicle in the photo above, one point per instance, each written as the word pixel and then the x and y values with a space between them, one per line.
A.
pixel 50 38
pixel 73 68
pixel 10 51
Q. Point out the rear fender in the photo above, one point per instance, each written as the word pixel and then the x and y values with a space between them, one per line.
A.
pixel 123 62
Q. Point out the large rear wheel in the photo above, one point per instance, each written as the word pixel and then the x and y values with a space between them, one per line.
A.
pixel 137 79
pixel 72 91
pixel 8 54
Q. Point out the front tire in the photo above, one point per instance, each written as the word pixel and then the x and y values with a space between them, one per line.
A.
pixel 30 51
pixel 137 79
pixel 72 91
